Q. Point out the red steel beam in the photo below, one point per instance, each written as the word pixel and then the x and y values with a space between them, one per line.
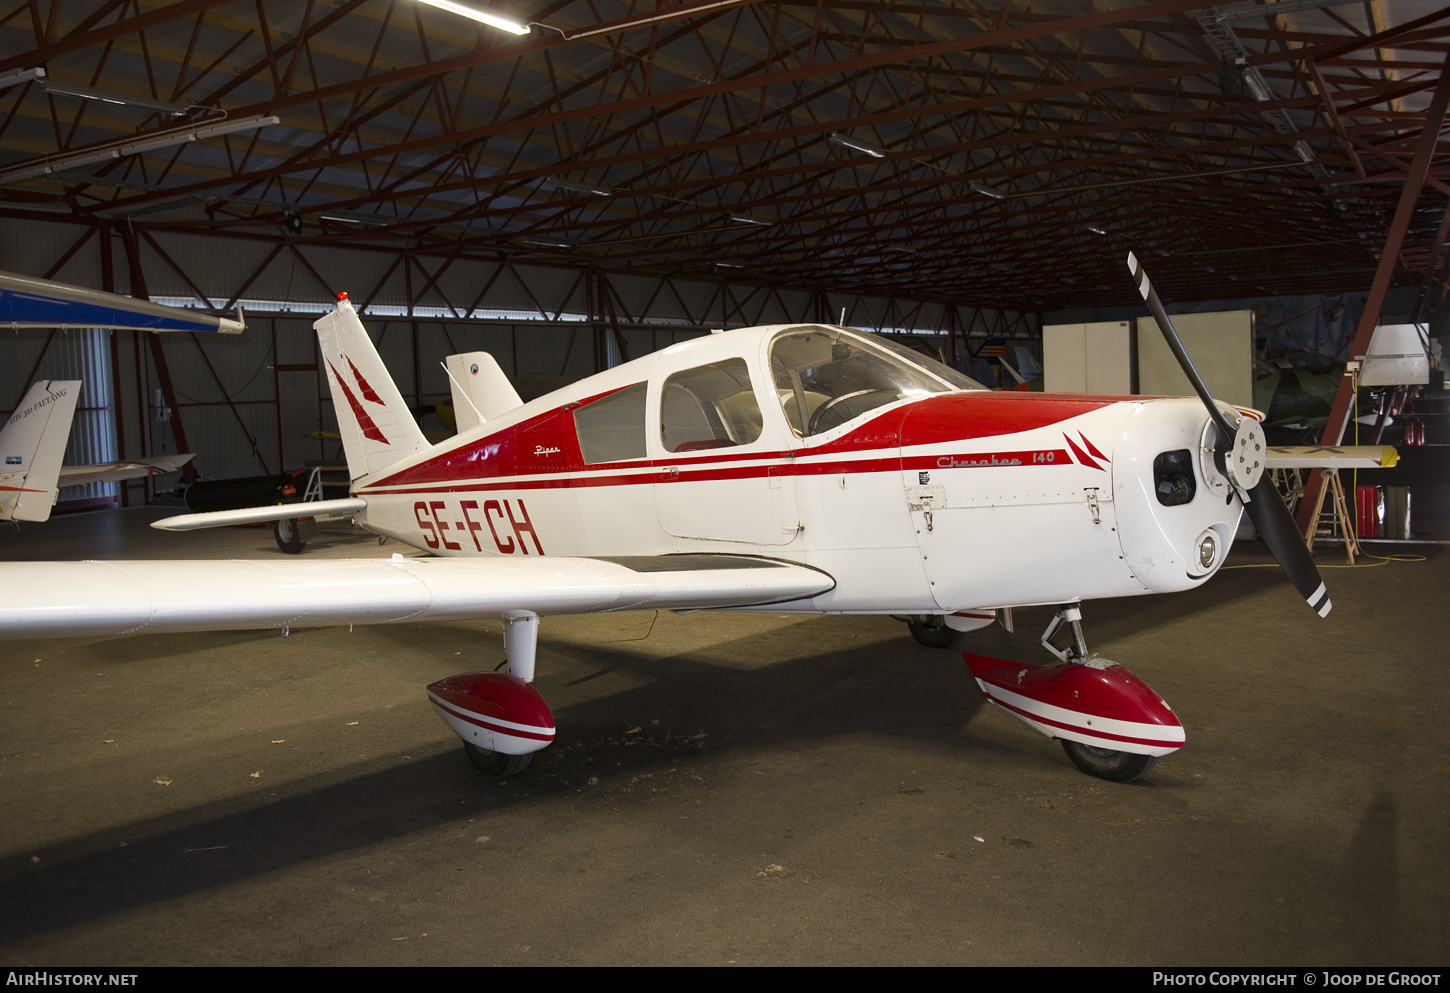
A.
pixel 76 41
pixel 1384 273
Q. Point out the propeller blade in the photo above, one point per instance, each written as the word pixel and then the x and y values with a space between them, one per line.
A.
pixel 1170 335
pixel 1276 526
pixel 1263 503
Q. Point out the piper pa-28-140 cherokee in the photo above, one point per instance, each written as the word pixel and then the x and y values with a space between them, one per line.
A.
pixel 795 468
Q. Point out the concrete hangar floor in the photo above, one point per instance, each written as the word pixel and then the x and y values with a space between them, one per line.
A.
pixel 751 789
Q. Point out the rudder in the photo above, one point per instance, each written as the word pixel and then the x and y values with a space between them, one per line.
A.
pixel 377 427
pixel 33 444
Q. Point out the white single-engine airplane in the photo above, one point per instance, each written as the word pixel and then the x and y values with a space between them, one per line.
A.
pixel 794 468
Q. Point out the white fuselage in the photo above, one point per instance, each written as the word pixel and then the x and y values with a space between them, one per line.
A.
pixel 930 504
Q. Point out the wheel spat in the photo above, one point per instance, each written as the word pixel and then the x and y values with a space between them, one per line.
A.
pixel 1262 501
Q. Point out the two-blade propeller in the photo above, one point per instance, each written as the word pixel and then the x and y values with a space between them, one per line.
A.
pixel 1241 454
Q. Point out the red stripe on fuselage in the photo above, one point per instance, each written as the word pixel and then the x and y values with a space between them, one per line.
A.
pixel 546 445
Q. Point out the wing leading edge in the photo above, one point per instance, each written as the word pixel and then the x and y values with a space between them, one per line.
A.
pixel 58 599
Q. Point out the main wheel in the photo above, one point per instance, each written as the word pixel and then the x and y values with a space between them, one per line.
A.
pixel 931 630
pixel 495 763
pixel 289 536
pixel 1120 767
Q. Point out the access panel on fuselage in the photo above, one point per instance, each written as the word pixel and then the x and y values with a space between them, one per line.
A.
pixel 1011 498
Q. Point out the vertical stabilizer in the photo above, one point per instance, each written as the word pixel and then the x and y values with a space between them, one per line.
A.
pixel 378 429
pixel 480 389
pixel 32 444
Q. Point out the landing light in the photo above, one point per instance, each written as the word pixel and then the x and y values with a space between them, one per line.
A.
pixel 1207 550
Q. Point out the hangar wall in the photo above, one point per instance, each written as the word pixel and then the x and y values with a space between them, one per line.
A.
pixel 253 403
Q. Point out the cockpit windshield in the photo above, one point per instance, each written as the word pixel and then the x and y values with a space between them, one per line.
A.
pixel 828 376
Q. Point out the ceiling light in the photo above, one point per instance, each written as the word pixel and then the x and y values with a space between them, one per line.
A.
pixel 487 17
pixel 56 88
pixel 130 146
pixel 747 219
pixel 1258 86
pixel 977 186
pixel 354 218
pixel 836 138
pixel 21 76
pixel 1302 149
pixel 1095 229
pixel 538 243
pixel 568 185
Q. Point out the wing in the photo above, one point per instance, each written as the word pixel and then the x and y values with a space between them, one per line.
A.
pixel 58 599
pixel 31 302
pixel 1331 457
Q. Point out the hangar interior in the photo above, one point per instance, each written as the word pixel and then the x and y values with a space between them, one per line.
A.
pixel 573 185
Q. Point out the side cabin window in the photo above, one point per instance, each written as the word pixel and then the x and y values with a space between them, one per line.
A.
pixel 711 406
pixel 611 429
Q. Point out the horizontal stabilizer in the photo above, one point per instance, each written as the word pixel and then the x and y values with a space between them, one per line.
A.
pixel 32 302
pixel 258 515
pixel 111 472
pixel 111 598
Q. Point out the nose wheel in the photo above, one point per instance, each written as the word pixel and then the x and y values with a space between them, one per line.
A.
pixel 931 631
pixel 1111 723
pixel 496 763
pixel 1104 763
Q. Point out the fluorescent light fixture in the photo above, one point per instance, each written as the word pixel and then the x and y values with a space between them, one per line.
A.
pixel 976 186
pixel 836 138
pixel 130 146
pixel 1258 86
pixel 538 243
pixel 20 76
pixel 351 218
pixel 60 89
pixel 486 16
pixel 1095 229
pixel 747 219
pixel 569 186
pixel 1302 149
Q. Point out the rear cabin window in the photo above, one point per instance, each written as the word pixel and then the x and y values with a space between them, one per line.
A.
pixel 711 406
pixel 612 429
